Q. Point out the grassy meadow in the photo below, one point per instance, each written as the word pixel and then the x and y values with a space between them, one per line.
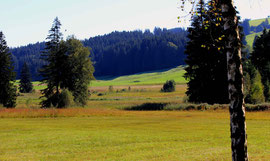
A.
pixel 134 135
pixel 103 130
pixel 257 22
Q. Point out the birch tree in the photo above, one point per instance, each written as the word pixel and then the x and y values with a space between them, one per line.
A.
pixel 235 75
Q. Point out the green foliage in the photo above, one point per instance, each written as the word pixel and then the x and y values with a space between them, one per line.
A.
pixel 26 85
pixel 169 86
pixel 80 70
pixel 256 90
pixel 7 76
pixel 260 57
pixel 247 87
pixel 206 70
pixel 69 66
pixel 65 99
pixel 53 71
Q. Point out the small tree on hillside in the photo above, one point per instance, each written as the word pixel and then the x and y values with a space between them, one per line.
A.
pixel 26 85
pixel 7 76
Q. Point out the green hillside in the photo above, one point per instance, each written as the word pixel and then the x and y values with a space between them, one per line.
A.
pixel 250 37
pixel 148 78
pixel 257 22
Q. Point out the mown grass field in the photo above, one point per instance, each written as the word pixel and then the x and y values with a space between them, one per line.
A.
pixel 102 130
pixel 121 135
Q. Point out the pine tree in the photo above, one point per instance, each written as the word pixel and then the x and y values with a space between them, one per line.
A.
pixel 26 85
pixel 52 73
pixel 7 76
pixel 260 57
pixel 206 71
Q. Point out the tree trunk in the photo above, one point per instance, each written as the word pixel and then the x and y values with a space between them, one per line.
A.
pixel 235 78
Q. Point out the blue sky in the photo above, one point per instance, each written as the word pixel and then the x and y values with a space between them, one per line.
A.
pixel 28 21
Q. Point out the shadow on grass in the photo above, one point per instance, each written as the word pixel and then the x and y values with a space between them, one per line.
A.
pixel 147 107
pixel 190 106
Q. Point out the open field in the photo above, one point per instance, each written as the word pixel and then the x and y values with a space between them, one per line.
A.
pixel 102 130
pixel 146 78
pixel 120 98
pixel 127 135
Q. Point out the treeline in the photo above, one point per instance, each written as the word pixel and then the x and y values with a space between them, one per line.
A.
pixel 121 53
pixel 118 53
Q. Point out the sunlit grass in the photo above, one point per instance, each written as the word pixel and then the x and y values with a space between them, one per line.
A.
pixel 150 78
pixel 122 135
pixel 257 22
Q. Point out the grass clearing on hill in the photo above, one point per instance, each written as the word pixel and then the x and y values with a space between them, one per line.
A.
pixel 257 22
pixel 147 78
pixel 152 135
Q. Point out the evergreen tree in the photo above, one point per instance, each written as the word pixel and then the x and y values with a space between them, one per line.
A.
pixel 260 57
pixel 52 73
pixel 80 70
pixel 206 70
pixel 7 76
pixel 26 85
pixel 246 26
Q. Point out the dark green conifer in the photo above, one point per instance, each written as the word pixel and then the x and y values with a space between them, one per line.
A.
pixel 260 57
pixel 26 85
pixel 52 73
pixel 7 76
pixel 206 70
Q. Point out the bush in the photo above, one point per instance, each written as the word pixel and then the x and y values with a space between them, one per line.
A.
pixel 169 86
pixel 111 89
pixel 65 99
pixel 256 91
pixel 100 94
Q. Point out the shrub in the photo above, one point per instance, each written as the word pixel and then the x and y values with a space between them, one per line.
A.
pixel 169 86
pixel 100 94
pixel 111 89
pixel 65 99
pixel 256 91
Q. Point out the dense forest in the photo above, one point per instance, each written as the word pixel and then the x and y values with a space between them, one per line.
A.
pixel 118 53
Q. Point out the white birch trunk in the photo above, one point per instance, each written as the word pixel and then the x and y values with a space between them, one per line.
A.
pixel 235 78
